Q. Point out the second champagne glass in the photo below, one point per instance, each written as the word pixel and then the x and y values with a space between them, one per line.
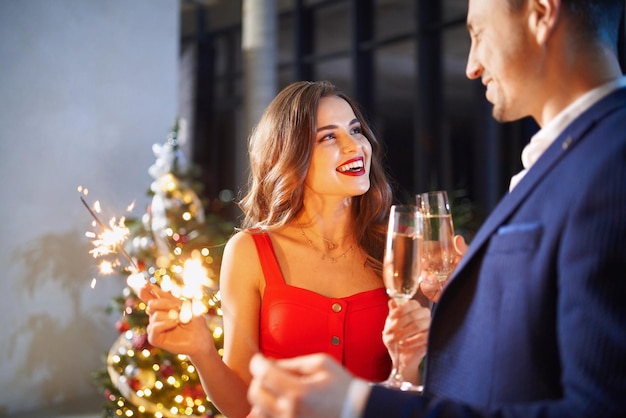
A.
pixel 401 269
pixel 438 252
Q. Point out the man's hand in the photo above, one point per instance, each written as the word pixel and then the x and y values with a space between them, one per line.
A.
pixel 312 386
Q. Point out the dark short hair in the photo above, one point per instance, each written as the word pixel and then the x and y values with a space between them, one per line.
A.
pixel 591 18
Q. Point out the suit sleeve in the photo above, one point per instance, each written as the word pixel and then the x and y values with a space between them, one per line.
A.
pixel 390 403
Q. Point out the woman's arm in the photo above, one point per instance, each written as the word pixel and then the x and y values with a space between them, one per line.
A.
pixel 226 380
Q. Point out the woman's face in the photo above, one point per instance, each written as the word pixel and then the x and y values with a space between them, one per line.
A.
pixel 340 163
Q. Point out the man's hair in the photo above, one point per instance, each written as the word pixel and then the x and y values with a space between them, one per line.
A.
pixel 592 19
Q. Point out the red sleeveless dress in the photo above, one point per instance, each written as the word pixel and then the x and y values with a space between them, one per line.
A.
pixel 296 321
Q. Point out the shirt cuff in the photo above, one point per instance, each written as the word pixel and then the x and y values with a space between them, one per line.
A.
pixel 356 398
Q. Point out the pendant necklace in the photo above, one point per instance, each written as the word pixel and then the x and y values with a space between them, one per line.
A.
pixel 330 245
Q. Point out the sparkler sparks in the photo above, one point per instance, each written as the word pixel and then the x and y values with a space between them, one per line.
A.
pixel 110 238
pixel 109 241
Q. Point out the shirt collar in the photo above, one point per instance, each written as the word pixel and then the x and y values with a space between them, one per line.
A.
pixel 548 134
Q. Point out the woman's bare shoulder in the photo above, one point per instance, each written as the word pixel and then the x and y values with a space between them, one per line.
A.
pixel 241 242
pixel 240 268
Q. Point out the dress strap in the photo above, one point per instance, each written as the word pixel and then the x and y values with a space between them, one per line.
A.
pixel 271 270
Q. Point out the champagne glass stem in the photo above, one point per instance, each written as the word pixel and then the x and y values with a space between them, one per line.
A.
pixel 396 374
pixel 396 379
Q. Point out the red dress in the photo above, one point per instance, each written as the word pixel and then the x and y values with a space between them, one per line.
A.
pixel 296 321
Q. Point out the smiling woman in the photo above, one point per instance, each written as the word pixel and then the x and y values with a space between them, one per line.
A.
pixel 312 238
pixel 341 147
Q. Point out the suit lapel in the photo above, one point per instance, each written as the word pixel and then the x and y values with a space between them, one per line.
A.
pixel 572 135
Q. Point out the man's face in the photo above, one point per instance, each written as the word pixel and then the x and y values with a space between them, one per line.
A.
pixel 502 56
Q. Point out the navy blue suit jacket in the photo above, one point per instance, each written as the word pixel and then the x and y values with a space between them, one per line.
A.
pixel 533 321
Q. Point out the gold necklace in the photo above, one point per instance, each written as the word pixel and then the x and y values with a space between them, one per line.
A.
pixel 330 248
pixel 330 245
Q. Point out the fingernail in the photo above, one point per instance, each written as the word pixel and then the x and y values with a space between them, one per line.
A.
pixel 256 364
pixel 261 364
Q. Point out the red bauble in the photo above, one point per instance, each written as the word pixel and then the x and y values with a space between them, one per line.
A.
pixel 130 303
pixel 122 326
pixel 134 384
pixel 141 265
pixel 193 391
pixel 140 342
pixel 166 369
pixel 108 395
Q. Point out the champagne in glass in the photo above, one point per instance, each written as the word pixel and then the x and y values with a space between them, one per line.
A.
pixel 401 264
pixel 401 269
pixel 438 248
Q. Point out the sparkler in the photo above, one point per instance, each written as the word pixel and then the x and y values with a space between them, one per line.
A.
pixel 109 241
pixel 110 238
pixel 195 277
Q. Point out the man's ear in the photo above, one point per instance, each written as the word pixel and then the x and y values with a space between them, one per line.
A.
pixel 543 16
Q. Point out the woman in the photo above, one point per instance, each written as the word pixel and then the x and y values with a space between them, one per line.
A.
pixel 304 273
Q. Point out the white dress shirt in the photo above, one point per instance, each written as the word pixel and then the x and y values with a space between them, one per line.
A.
pixel 546 135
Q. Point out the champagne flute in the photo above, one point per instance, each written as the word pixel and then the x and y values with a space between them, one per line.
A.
pixel 401 270
pixel 438 248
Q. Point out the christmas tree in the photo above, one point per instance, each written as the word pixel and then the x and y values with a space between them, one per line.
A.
pixel 177 246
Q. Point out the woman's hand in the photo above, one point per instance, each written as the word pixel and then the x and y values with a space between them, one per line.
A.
pixel 430 286
pixel 165 329
pixel 406 334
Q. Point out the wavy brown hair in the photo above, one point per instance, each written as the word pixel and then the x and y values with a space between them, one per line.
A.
pixel 280 149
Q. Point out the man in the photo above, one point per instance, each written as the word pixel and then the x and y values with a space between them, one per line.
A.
pixel 533 321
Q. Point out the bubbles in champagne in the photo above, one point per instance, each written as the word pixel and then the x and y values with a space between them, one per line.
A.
pixel 401 267
pixel 439 253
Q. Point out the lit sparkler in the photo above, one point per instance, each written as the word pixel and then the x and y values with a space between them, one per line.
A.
pixel 110 239
pixel 195 279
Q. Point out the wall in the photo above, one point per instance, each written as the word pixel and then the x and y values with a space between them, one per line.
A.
pixel 86 88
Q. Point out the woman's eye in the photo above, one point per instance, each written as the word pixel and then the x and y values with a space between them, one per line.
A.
pixel 327 137
pixel 357 130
